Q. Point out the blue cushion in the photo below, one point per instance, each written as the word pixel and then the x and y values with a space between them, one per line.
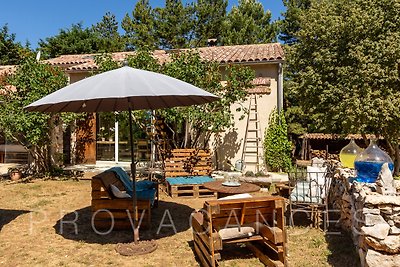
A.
pixel 189 180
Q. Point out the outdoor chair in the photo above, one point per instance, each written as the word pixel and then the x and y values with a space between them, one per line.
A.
pixel 258 222
pixel 111 207
pixel 309 192
pixel 185 171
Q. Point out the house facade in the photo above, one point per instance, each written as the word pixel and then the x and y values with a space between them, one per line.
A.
pixel 105 139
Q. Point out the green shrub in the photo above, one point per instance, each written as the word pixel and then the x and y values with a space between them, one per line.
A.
pixel 277 145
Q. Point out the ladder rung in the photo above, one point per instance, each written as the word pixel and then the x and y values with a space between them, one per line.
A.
pixel 252 131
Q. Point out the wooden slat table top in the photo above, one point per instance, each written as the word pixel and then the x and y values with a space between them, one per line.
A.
pixel 217 186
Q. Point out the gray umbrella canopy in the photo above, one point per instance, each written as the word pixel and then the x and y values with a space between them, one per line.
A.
pixel 121 89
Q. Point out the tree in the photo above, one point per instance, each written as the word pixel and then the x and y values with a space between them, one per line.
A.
pixel 33 130
pixel 140 29
pixel 345 67
pixel 76 40
pixel 248 24
pixel 11 52
pixel 276 144
pixel 203 121
pixel 174 24
pixel 297 120
pixel 194 125
pixel 209 16
pixel 107 31
pixel 289 26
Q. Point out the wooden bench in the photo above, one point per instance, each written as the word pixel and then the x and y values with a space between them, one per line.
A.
pixel 184 163
pixel 105 206
pixel 222 222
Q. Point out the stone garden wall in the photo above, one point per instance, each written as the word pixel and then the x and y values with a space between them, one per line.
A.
pixel 371 217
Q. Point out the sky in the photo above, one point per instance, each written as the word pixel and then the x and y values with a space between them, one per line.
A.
pixel 32 20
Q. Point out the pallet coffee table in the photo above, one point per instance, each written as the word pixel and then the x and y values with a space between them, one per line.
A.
pixel 224 190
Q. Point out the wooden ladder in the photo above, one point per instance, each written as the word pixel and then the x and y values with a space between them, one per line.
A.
pixel 252 146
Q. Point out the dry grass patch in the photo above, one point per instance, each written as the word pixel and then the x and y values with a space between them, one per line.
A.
pixel 32 233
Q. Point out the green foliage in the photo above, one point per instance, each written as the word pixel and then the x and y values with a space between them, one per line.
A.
pixel 248 23
pixel 140 29
pixel 276 144
pixel 107 32
pixel 204 120
pixel 11 52
pixel 209 17
pixel 174 24
pixel 76 40
pixel 290 25
pixel 345 67
pixel 32 80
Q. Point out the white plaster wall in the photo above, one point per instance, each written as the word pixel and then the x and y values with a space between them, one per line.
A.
pixel 230 144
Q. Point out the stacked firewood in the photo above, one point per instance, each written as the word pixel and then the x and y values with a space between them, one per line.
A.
pixel 322 154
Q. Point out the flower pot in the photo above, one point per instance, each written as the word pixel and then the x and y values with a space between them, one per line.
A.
pixel 15 175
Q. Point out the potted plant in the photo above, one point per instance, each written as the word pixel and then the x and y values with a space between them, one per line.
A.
pixel 15 174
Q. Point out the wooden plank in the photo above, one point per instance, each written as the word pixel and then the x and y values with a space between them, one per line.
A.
pixel 262 257
pixel 204 250
pixel 274 234
pixel 203 259
pixel 100 194
pixel 223 222
pixel 115 204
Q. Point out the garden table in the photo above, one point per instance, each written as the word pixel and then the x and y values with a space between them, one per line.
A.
pixel 224 190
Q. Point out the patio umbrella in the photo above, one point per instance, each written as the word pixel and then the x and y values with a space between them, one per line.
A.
pixel 123 89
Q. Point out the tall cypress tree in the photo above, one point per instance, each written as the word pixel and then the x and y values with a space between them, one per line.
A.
pixel 140 29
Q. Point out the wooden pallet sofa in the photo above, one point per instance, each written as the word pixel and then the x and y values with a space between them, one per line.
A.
pixel 258 222
pixel 185 171
pixel 106 206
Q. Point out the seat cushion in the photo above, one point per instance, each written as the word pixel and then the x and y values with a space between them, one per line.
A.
pixel 236 232
pixel 118 193
pixel 189 180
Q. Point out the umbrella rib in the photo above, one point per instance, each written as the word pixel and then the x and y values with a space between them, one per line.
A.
pixel 165 103
pixel 98 105
pixel 148 103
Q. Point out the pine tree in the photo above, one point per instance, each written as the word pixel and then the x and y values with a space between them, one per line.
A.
pixel 247 23
pixel 209 16
pixel 290 25
pixel 11 52
pixel 140 29
pixel 109 38
pixel 174 24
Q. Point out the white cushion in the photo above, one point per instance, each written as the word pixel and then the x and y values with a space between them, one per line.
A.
pixel 237 232
pixel 237 196
pixel 118 193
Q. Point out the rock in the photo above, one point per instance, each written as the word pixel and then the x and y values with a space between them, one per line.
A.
pixel 390 222
pixel 379 231
pixel 346 197
pixel 374 258
pixel 384 182
pixel 391 244
pixel 394 230
pixel 396 184
pixel 371 211
pixel 373 219
pixel 381 199
pixel 386 209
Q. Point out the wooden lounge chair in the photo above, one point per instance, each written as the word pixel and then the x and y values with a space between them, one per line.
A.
pixel 257 222
pixel 105 206
pixel 185 171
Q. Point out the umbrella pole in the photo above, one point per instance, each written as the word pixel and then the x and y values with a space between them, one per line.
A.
pixel 133 173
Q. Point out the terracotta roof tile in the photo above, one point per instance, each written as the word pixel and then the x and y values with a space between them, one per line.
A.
pixel 220 54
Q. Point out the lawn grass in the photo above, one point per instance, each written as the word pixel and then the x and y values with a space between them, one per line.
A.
pixel 31 233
